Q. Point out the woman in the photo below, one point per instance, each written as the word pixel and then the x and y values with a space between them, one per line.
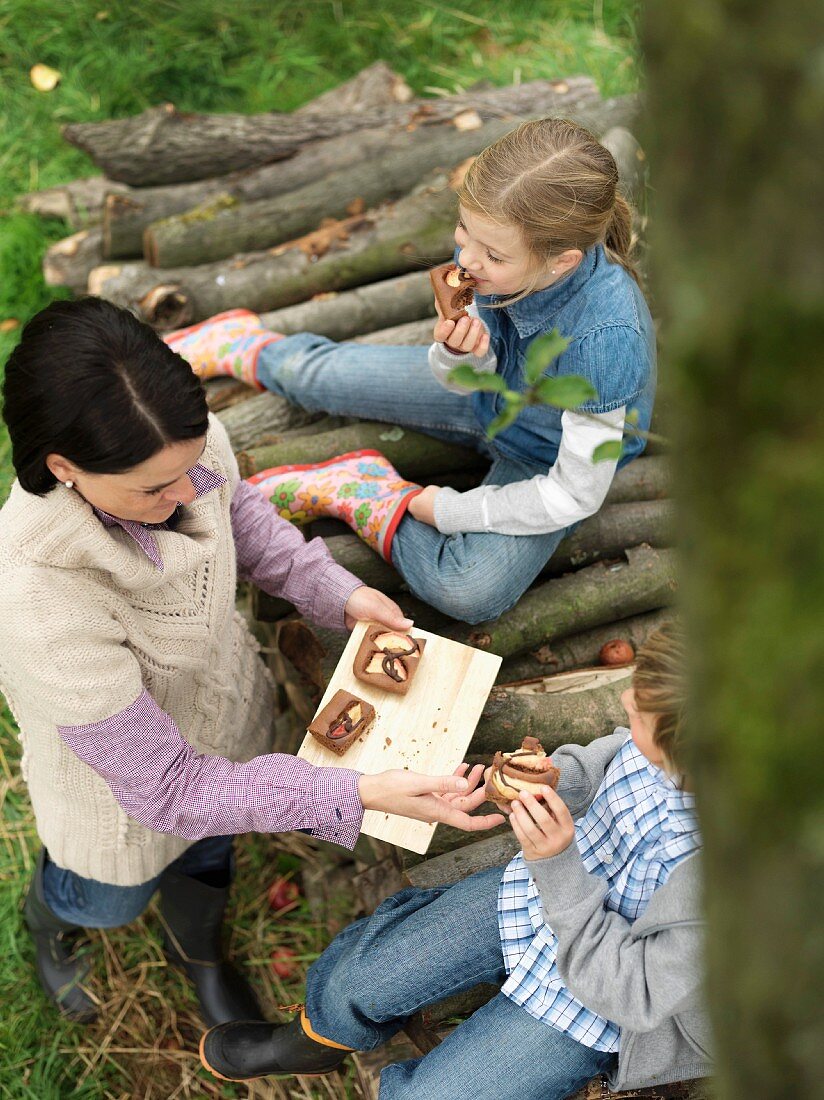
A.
pixel 144 710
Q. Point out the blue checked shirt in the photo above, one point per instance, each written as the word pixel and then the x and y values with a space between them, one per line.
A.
pixel 637 830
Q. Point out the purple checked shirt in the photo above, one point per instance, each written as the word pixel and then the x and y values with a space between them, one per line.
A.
pixel 159 779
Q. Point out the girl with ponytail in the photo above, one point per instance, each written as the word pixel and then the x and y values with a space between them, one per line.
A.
pixel 546 233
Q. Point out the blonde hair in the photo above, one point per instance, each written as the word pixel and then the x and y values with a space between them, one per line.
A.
pixel 659 683
pixel 559 186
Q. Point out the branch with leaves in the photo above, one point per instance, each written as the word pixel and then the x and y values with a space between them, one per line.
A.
pixel 566 391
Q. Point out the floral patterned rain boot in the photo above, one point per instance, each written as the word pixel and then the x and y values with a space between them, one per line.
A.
pixel 362 488
pixel 228 343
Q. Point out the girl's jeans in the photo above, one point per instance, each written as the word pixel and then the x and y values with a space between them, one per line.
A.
pixel 91 904
pixel 417 948
pixel 473 576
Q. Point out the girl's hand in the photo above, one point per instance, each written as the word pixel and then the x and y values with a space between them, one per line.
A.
pixel 445 798
pixel 467 335
pixel 542 831
pixel 422 505
pixel 370 604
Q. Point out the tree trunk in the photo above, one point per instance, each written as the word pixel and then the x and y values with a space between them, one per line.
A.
pixel 416 231
pixel 70 261
pixel 451 867
pixel 163 145
pixel 740 257
pixel 365 309
pixel 389 166
pixel 567 605
pixel 415 333
pixel 580 650
pixel 414 455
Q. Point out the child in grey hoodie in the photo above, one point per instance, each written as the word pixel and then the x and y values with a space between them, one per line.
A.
pixel 593 932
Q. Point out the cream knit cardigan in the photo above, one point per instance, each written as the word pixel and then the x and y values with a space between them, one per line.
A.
pixel 87 623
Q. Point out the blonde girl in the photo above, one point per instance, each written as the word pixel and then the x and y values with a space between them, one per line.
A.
pixel 544 229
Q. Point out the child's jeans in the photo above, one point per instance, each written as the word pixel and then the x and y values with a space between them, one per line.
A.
pixel 473 577
pixel 88 903
pixel 417 948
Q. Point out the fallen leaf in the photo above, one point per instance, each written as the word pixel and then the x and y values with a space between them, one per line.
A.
pixel 467 120
pixel 9 325
pixel 329 233
pixel 44 78
pixel 101 16
pixel 560 86
pixel 356 206
pixel 392 435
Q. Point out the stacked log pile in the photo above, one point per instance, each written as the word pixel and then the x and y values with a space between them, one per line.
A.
pixel 325 220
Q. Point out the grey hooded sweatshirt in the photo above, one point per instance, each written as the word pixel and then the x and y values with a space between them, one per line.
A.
pixel 645 975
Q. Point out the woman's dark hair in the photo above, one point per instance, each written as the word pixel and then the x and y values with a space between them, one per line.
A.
pixel 90 382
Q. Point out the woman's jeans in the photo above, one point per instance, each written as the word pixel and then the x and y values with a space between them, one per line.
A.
pixel 417 948
pixel 91 904
pixel 474 576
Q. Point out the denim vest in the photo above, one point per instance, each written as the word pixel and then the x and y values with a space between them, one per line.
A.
pixel 600 308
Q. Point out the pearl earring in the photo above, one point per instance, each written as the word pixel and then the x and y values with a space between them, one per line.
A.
pixel 69 484
pixel 553 271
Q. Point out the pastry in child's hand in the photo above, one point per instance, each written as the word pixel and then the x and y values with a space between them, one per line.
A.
pixel 454 289
pixel 388 659
pixel 527 769
pixel 344 718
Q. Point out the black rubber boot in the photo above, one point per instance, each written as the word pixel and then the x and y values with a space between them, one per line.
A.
pixel 62 966
pixel 246 1049
pixel 192 917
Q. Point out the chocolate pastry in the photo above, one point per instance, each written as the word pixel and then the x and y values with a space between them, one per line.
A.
pixel 388 659
pixel 454 289
pixel 527 769
pixel 344 718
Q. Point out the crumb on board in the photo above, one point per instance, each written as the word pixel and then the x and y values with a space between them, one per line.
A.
pixel 388 740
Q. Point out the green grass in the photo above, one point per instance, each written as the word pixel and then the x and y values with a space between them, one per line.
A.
pixel 117 58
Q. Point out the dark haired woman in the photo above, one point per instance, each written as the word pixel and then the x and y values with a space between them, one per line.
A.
pixel 144 710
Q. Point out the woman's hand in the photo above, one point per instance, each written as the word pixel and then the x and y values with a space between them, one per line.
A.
pixel 369 604
pixel 445 798
pixel 422 505
pixel 468 335
pixel 542 831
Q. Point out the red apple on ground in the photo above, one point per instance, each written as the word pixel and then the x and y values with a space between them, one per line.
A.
pixel 616 652
pixel 284 962
pixel 283 894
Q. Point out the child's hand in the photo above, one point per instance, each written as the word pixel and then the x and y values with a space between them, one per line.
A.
pixel 542 831
pixel 467 334
pixel 371 605
pixel 422 505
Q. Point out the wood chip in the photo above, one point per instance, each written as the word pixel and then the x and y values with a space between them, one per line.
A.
pixel 467 120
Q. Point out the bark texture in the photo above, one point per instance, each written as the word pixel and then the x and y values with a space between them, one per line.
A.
pixel 737 113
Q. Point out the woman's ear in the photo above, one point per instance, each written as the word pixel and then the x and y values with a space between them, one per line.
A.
pixel 62 469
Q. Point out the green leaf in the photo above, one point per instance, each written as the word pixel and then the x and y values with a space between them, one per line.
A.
pixel 607 451
pixel 565 392
pixel 465 375
pixel 507 416
pixel 541 353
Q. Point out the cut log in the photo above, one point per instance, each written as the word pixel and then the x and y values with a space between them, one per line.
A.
pixel 580 650
pixel 266 414
pixel 70 261
pixel 418 333
pixel 399 237
pixel 374 86
pixel 630 160
pixel 459 864
pixel 78 203
pixel 562 718
pixel 610 531
pixel 221 393
pixel 389 166
pixel 595 595
pixel 646 478
pixel 366 309
pixel 414 455
pixel 163 145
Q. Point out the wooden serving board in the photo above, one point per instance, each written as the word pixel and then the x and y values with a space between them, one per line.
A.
pixel 427 730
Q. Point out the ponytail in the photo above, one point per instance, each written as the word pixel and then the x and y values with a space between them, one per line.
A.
pixel 619 242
